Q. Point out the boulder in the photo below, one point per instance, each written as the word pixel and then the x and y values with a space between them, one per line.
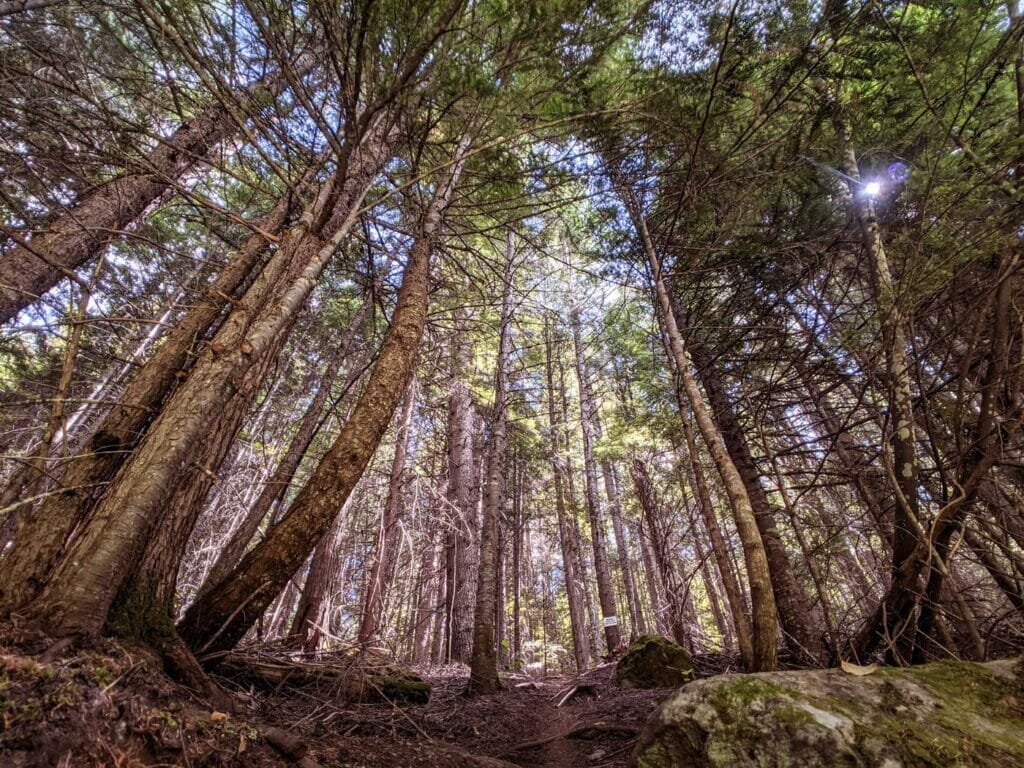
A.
pixel 652 661
pixel 945 714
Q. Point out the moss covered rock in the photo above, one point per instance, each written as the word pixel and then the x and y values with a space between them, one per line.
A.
pixel 944 714
pixel 654 662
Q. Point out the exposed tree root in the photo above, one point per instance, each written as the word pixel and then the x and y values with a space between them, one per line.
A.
pixel 575 731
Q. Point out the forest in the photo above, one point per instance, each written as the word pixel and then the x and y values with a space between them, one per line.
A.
pixel 511 383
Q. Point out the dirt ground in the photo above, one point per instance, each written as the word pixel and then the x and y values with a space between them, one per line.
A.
pixel 110 704
pixel 521 725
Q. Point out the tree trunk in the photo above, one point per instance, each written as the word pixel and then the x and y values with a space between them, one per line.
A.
pixel 801 620
pixel 986 435
pixel 426 605
pixel 612 486
pixel 899 625
pixel 674 590
pixel 462 544
pixel 568 537
pixel 219 619
pixel 483 671
pixel 659 605
pixel 43 534
pixel 384 543
pixel 43 257
pixel 277 486
pixel 312 618
pixel 711 587
pixel 78 596
pixel 145 605
pixel 588 420
pixel 764 641
pixel 719 548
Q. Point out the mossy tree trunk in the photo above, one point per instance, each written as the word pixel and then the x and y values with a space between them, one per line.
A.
pixel 385 539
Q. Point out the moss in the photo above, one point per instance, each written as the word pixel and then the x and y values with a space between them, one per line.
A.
pixel 965 717
pixel 29 694
pixel 408 688
pixel 794 717
pixel 652 661
pixel 742 691
pixel 950 714
pixel 140 615
pixel 166 719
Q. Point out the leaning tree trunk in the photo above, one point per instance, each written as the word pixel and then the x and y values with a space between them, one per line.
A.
pixel 313 614
pixel 44 532
pixel 219 619
pixel 483 667
pixel 730 584
pixel 77 597
pixel 801 620
pixel 276 487
pixel 986 434
pixel 688 394
pixel 41 258
pixel 145 605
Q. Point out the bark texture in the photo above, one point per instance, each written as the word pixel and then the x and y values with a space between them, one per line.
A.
pixel 219 619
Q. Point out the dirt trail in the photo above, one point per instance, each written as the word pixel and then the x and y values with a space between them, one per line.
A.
pixel 111 704
pixel 522 725
pixel 596 726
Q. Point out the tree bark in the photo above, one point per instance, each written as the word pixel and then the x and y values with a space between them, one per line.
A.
pixel 277 486
pixel 44 532
pixel 462 544
pixel 574 580
pixel 588 416
pixel 79 593
pixel 483 668
pixel 312 618
pixel 688 394
pixel 674 589
pixel 43 257
pixel 378 582
pixel 801 620
pixel 900 626
pixel 612 491
pixel 219 619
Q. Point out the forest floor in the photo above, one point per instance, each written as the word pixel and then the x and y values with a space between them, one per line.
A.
pixel 111 704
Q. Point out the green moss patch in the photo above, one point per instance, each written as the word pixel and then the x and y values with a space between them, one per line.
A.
pixel 944 714
pixel 653 661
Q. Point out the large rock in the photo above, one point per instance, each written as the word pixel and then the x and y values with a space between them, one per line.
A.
pixel 944 714
pixel 652 661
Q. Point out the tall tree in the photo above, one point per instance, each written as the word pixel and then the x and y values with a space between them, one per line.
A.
pixel 222 616
pixel 483 669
